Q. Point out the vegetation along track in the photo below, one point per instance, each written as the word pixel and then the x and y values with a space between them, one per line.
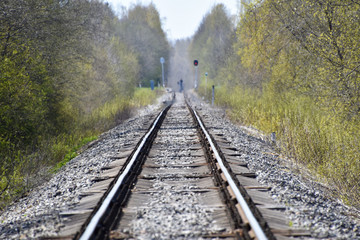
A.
pixel 177 183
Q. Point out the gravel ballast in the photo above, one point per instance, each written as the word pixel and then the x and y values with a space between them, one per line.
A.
pixel 38 214
pixel 307 202
pixel 175 209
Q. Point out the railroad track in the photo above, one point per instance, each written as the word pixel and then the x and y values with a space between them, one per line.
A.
pixel 175 184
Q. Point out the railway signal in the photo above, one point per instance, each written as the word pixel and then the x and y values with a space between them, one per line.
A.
pixel 196 63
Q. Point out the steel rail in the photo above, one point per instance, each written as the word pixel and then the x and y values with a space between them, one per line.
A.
pixel 100 212
pixel 252 220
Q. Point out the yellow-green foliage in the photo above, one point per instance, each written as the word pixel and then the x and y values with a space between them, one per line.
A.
pixel 107 115
pixel 144 96
pixel 205 88
pixel 56 152
pixel 295 71
pixel 323 141
pixel 114 111
pixel 68 78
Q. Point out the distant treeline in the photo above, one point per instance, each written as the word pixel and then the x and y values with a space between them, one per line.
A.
pixel 68 70
pixel 292 67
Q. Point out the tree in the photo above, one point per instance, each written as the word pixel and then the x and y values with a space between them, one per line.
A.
pixel 212 41
pixel 329 31
pixel 141 29
pixel 60 62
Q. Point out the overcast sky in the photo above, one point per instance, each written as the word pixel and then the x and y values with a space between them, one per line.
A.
pixel 180 18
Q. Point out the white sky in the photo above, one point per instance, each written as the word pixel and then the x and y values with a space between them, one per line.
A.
pixel 180 18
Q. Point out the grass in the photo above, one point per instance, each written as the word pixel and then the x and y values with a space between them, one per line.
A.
pixel 327 143
pixel 144 96
pixel 22 170
pixel 72 153
pixel 102 119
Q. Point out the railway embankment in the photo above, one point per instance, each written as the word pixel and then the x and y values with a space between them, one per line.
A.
pixel 305 203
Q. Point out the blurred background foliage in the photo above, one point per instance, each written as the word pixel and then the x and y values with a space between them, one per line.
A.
pixel 68 71
pixel 291 67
